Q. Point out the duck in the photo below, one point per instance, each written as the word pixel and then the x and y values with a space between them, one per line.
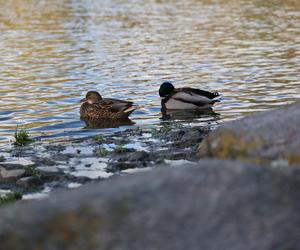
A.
pixel 94 107
pixel 186 98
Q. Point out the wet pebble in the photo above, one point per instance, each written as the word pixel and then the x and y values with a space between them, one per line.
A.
pixel 10 174
pixel 29 182
pixel 48 170
pixel 11 166
pixel 44 161
pixel 56 148
pixel 63 157
pixel 120 166
pixel 138 156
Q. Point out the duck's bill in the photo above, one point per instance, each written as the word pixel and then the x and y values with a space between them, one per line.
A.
pixel 82 100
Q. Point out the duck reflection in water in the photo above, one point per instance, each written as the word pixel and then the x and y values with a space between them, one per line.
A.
pixel 107 123
pixel 189 115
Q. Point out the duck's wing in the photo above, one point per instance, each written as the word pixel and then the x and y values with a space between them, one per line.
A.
pixel 200 92
pixel 194 97
pixel 88 111
pixel 115 105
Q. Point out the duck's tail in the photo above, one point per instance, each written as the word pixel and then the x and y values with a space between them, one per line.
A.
pixel 130 109
pixel 217 97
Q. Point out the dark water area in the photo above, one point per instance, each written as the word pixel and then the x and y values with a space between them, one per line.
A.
pixel 53 52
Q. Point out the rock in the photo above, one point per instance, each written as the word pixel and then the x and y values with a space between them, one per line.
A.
pixel 214 205
pixel 177 155
pixel 135 159
pixel 45 161
pixel 19 160
pixel 193 135
pixel 63 157
pixel 263 137
pixel 48 174
pixel 138 156
pixel 10 174
pixel 48 170
pixel 29 182
pixel 57 148
pixel 120 166
pixel 11 166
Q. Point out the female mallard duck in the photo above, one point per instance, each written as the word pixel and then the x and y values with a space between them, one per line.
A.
pixel 94 107
pixel 185 98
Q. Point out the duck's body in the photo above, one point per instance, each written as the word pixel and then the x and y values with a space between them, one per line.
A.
pixel 185 98
pixel 94 107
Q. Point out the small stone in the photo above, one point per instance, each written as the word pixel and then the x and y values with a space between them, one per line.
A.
pixel 120 166
pixel 63 157
pixel 138 156
pixel 191 136
pixel 29 182
pixel 57 148
pixel 21 161
pixel 48 170
pixel 11 166
pixel 10 175
pixel 45 161
pixel 178 155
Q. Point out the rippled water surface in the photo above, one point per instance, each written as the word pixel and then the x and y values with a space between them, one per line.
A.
pixel 52 52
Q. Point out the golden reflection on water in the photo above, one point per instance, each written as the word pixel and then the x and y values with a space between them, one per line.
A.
pixel 52 52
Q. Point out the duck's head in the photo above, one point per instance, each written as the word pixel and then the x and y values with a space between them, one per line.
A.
pixel 165 89
pixel 92 97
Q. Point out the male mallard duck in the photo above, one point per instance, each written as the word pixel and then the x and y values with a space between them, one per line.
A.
pixel 185 98
pixel 94 107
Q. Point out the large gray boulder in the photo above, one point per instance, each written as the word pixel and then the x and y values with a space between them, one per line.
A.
pixel 213 205
pixel 263 137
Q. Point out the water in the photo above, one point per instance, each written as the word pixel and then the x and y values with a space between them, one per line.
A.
pixel 53 52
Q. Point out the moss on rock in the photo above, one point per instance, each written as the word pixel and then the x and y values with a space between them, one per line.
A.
pixel 260 138
pixel 227 145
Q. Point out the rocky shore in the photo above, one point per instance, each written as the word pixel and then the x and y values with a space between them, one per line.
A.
pixel 233 188
pixel 37 169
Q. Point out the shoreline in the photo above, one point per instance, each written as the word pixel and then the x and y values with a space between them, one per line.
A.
pixel 59 165
pixel 37 169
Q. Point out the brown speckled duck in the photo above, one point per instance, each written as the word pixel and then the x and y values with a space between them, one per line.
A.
pixel 94 107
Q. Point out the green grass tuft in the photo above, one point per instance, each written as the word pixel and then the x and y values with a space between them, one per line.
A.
pixel 100 152
pixel 168 127
pixel 22 137
pixel 98 138
pixel 119 149
pixel 10 197
pixel 32 171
